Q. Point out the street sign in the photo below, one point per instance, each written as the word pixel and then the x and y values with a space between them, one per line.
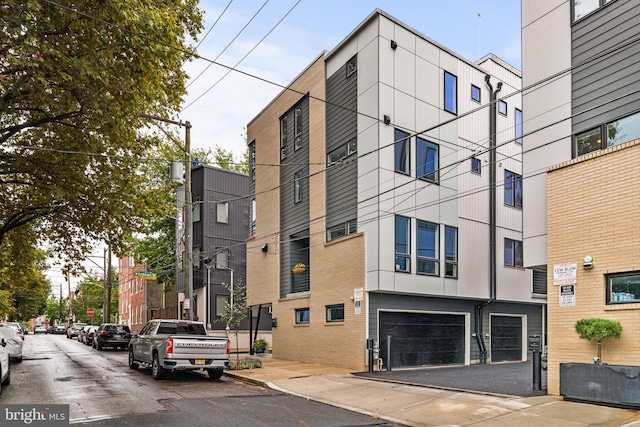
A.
pixel 567 295
pixel 90 312
pixel 147 275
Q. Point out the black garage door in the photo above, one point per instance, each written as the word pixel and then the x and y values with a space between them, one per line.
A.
pixel 506 338
pixel 420 339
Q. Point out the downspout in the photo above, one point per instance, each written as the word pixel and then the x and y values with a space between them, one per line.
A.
pixel 492 218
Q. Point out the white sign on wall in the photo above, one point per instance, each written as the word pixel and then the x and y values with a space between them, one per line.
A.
pixel 567 295
pixel 565 274
pixel 358 294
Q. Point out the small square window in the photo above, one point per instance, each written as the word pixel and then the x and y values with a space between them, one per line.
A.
pixel 475 93
pixel 513 253
pixel 476 165
pixel 502 107
pixel 302 315
pixel 335 313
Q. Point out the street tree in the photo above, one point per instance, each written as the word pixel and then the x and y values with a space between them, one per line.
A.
pixel 77 83
pixel 235 311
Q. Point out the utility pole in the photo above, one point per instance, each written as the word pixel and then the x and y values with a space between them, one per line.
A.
pixel 107 290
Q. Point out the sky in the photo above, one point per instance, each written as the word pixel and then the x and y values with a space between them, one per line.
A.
pixel 282 37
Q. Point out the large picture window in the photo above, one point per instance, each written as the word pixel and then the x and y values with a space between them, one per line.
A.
pixel 450 93
pixel 428 240
pixel 403 243
pixel 402 149
pixel 512 189
pixel 512 253
pixel 427 154
pixel 623 288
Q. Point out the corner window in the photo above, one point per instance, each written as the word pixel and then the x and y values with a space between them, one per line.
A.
pixel 476 165
pixel 297 127
pixel 222 213
pixel 427 154
pixel 475 93
pixel 335 313
pixel 512 253
pixel 512 189
pixel 450 93
pixel 623 288
pixel 450 251
pixel 518 126
pixel 428 242
pixel 302 315
pixel 403 244
pixel 283 138
pixel 502 107
pixel 297 187
pixel 402 150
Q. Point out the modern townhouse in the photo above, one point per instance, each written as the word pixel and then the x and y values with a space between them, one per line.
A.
pixel 581 68
pixel 386 201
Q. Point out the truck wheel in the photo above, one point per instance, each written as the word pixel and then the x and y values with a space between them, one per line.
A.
pixel 158 372
pixel 132 361
pixel 215 374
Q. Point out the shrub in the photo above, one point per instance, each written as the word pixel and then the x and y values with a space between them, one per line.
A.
pixel 594 329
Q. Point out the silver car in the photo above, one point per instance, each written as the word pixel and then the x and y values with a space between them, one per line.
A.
pixel 16 326
pixel 14 342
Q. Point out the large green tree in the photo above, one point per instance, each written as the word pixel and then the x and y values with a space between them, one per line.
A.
pixel 77 81
pixel 89 294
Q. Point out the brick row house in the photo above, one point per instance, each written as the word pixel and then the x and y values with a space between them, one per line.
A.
pixel 390 172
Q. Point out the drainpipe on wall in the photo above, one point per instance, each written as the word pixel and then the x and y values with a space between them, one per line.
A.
pixel 492 217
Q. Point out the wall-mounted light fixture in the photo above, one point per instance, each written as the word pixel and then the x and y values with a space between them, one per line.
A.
pixel 588 262
pixel 387 120
pixel 265 247
pixel 394 44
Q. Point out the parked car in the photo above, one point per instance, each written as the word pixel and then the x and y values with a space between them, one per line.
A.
pixel 40 329
pixel 72 331
pixel 14 342
pixel 87 338
pixel 82 334
pixel 111 335
pixel 5 368
pixel 15 326
pixel 60 329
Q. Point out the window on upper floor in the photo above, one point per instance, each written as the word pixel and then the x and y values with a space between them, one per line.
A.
pixel 588 141
pixel 428 261
pixel 512 253
pixel 195 253
pixel 450 93
pixel 352 66
pixel 518 126
pixel 297 187
pixel 475 93
pixel 222 212
pixel 402 151
pixel 297 127
pixel 195 212
pixel 222 259
pixel 502 107
pixel 450 251
pixel 476 165
pixel 252 232
pixel 341 230
pixel 403 243
pixel 342 152
pixel 302 315
pixel 582 8
pixel 512 189
pixel 252 160
pixel 617 131
pixel 623 288
pixel 335 313
pixel 427 155
pixel 283 138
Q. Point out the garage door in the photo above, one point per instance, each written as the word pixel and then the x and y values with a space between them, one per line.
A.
pixel 420 339
pixel 506 338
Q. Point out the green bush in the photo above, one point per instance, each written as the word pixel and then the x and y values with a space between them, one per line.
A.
pixel 594 329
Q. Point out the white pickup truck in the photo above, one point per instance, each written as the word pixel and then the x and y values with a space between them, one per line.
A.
pixel 178 345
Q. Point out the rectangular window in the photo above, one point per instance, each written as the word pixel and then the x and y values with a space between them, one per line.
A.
pixel 403 243
pixel 450 93
pixel 335 313
pixel 475 93
pixel 402 150
pixel 252 160
pixel 283 138
pixel 450 251
pixel 222 260
pixel 342 152
pixel 623 130
pixel 428 242
pixel 195 212
pixel 476 165
pixel 623 288
pixel 427 160
pixel 297 127
pixel 584 7
pixel 512 189
pixel 342 230
pixel 302 315
pixel 222 302
pixel 195 253
pixel 352 66
pixel 502 107
pixel 512 253
pixel 297 187
pixel 253 217
pixel 588 141
pixel 222 213
pixel 518 126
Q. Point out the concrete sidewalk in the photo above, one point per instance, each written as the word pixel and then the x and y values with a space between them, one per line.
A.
pixel 416 405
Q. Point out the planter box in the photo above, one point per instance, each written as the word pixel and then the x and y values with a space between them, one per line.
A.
pixel 611 385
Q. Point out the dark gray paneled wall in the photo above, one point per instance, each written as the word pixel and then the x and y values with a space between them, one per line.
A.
pixel 294 217
pixel 610 76
pixel 342 127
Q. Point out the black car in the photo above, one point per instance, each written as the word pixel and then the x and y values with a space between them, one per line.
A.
pixel 111 335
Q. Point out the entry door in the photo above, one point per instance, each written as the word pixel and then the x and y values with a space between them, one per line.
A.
pixel 422 339
pixel 506 338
